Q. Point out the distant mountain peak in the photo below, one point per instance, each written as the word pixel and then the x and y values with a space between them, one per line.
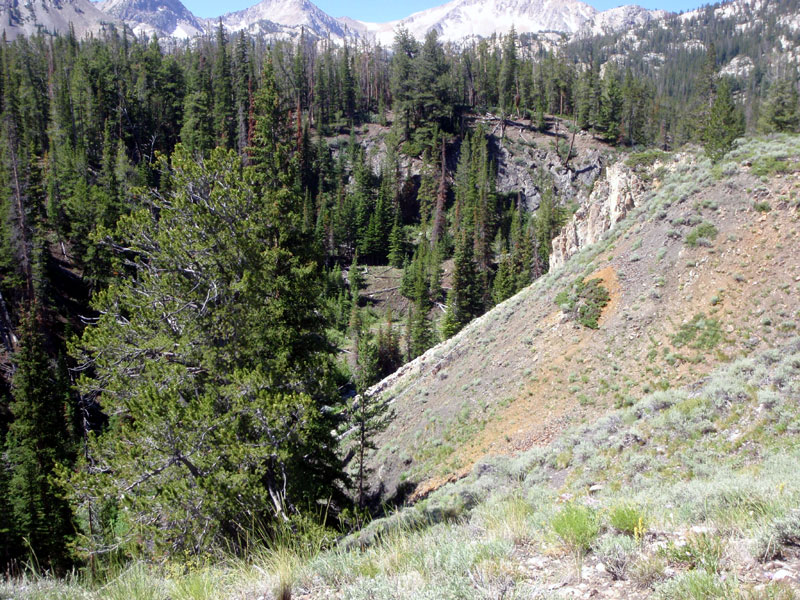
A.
pixel 456 20
pixel 468 18
pixel 163 17
pixel 285 16
pixel 50 16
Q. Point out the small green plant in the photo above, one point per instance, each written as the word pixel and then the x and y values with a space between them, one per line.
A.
pixel 696 585
pixel 577 527
pixel 782 532
pixel 701 551
pixel 702 234
pixel 701 333
pixel 585 300
pixel 770 165
pixel 629 519
pixel 762 207
pixel 639 161
pixel 648 570
pixel 617 553
pixel 774 591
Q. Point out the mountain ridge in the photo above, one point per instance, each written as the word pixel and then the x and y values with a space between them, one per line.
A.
pixel 164 17
pixel 454 21
pixel 51 16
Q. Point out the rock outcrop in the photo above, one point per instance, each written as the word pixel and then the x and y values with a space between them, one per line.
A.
pixel 612 197
pixel 517 173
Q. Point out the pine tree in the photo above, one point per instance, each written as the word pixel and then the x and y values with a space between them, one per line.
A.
pixel 548 221
pixel 214 361
pixel 464 301
pixel 508 73
pixel 780 112
pixel 397 251
pixel 402 78
pixel 348 86
pixel 371 414
pixel 438 228
pixel 355 279
pixel 504 285
pixel 270 153
pixel 197 133
pixel 725 123
pixel 430 94
pixel 420 330
pixel 388 342
pixel 242 91
pixel 222 87
pixel 611 106
pixel 38 442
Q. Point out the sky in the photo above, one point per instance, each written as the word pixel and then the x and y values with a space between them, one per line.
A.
pixel 381 10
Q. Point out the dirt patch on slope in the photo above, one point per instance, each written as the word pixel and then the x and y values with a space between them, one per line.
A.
pixel 524 372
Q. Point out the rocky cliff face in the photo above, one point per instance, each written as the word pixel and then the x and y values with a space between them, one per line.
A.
pixel 525 164
pixel 612 197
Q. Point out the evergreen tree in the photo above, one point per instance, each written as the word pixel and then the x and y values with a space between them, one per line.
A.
pixel 611 106
pixel 725 123
pixel 213 361
pixel 270 153
pixel 397 251
pixel 429 93
pixel 464 301
pixel 222 86
pixel 197 133
pixel 508 73
pixel 38 442
pixel 402 78
pixel 242 91
pixel 780 111
pixel 347 82
pixel 504 285
pixel 388 342
pixel 371 414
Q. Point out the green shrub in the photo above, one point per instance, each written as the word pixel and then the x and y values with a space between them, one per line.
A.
pixel 762 207
pixel 648 570
pixel 585 300
pixel 770 165
pixel 704 231
pixel 617 553
pixel 640 160
pixel 629 519
pixel 577 527
pixel 702 551
pixel 774 591
pixel 701 333
pixel 697 585
pixel 784 531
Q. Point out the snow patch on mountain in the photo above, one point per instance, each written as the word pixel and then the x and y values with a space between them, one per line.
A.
pixel 162 17
pixel 459 19
pixel 28 17
pixel 285 18
pixel 619 19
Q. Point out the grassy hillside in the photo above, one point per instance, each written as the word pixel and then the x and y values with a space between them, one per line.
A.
pixel 691 492
pixel 701 272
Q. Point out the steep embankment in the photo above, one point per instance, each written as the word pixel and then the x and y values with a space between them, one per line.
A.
pixel 702 268
pixel 691 493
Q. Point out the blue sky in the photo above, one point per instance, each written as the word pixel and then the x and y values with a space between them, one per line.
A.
pixel 380 10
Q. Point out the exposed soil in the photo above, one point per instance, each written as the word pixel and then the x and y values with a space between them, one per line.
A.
pixel 521 374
